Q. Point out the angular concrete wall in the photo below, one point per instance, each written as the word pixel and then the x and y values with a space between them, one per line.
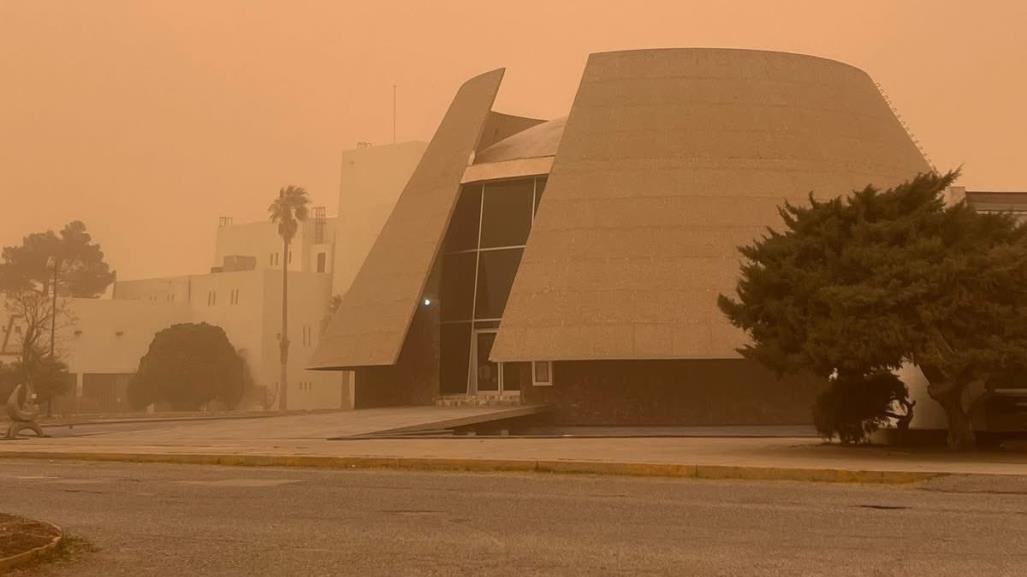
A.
pixel 372 322
pixel 669 161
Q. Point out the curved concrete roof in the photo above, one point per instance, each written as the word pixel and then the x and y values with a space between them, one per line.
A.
pixel 669 161
pixel 535 142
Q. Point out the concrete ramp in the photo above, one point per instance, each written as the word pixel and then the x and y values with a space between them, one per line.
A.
pixel 440 419
pixel 313 426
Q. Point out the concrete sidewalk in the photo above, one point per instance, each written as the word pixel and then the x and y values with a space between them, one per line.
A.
pixel 302 441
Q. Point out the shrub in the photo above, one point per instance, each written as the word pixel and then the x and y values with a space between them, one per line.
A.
pixel 187 366
pixel 853 407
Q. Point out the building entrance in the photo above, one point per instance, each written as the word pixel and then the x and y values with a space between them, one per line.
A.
pixel 488 375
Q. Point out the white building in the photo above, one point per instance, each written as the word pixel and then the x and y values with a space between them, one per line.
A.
pixel 102 340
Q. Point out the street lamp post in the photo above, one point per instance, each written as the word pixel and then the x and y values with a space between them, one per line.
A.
pixel 56 263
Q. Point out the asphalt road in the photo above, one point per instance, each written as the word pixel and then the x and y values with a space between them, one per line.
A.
pixel 196 520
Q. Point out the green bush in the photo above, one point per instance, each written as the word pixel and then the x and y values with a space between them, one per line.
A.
pixel 187 366
pixel 855 406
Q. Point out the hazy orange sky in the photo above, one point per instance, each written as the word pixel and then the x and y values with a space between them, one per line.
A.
pixel 148 120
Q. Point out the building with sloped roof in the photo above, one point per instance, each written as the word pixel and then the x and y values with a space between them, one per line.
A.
pixel 577 261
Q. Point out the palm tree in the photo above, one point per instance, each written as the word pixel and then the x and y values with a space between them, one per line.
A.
pixel 288 210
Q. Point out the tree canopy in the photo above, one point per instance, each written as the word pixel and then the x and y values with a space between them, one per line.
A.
pixel 36 278
pixel 288 210
pixel 187 366
pixel 858 286
pixel 49 376
pixel 82 271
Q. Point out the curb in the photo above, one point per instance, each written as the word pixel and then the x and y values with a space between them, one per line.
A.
pixel 712 472
pixel 25 557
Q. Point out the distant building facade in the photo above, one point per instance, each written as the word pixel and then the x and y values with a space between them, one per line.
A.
pixel 102 340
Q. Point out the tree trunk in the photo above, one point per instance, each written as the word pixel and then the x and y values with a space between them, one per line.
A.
pixel 949 392
pixel 283 391
pixel 961 434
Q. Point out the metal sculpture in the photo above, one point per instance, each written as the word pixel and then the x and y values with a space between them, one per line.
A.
pixel 22 417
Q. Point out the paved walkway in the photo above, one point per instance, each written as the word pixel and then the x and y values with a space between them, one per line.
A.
pixel 307 437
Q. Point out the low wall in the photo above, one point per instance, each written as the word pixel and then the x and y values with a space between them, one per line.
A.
pixel 675 392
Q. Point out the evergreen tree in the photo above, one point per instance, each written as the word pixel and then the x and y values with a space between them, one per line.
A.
pixel 858 286
pixel 187 366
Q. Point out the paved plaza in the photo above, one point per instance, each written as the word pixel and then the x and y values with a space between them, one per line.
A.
pixel 308 437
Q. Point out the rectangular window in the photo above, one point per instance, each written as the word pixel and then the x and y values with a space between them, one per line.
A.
pixel 463 226
pixel 543 376
pixel 496 271
pixel 456 295
pixel 506 213
pixel 322 260
pixel 455 346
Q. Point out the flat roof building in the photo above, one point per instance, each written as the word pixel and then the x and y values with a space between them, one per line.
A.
pixel 578 261
pixel 102 340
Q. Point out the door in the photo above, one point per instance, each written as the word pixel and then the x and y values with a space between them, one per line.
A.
pixel 487 373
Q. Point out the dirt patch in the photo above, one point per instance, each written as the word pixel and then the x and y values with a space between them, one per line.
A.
pixel 18 534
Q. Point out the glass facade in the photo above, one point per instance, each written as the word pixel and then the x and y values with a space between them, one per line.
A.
pixel 480 256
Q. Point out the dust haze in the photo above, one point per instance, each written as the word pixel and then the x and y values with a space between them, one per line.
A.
pixel 148 121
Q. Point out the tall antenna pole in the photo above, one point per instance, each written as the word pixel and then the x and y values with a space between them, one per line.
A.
pixel 394 114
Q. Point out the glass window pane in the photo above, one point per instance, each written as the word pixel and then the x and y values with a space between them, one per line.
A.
pixel 455 345
pixel 496 271
pixel 542 372
pixel 540 185
pixel 456 294
pixel 506 217
pixel 463 227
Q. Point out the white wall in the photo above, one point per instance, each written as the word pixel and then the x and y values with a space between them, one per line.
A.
pixel 309 294
pixel 261 240
pixel 155 290
pixel 927 414
pixel 247 305
pixel 371 180
pixel 108 336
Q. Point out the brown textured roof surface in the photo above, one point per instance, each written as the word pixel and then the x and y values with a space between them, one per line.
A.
pixel 670 159
pixel 535 142
pixel 373 318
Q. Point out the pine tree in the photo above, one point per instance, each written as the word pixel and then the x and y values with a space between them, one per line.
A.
pixel 857 286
